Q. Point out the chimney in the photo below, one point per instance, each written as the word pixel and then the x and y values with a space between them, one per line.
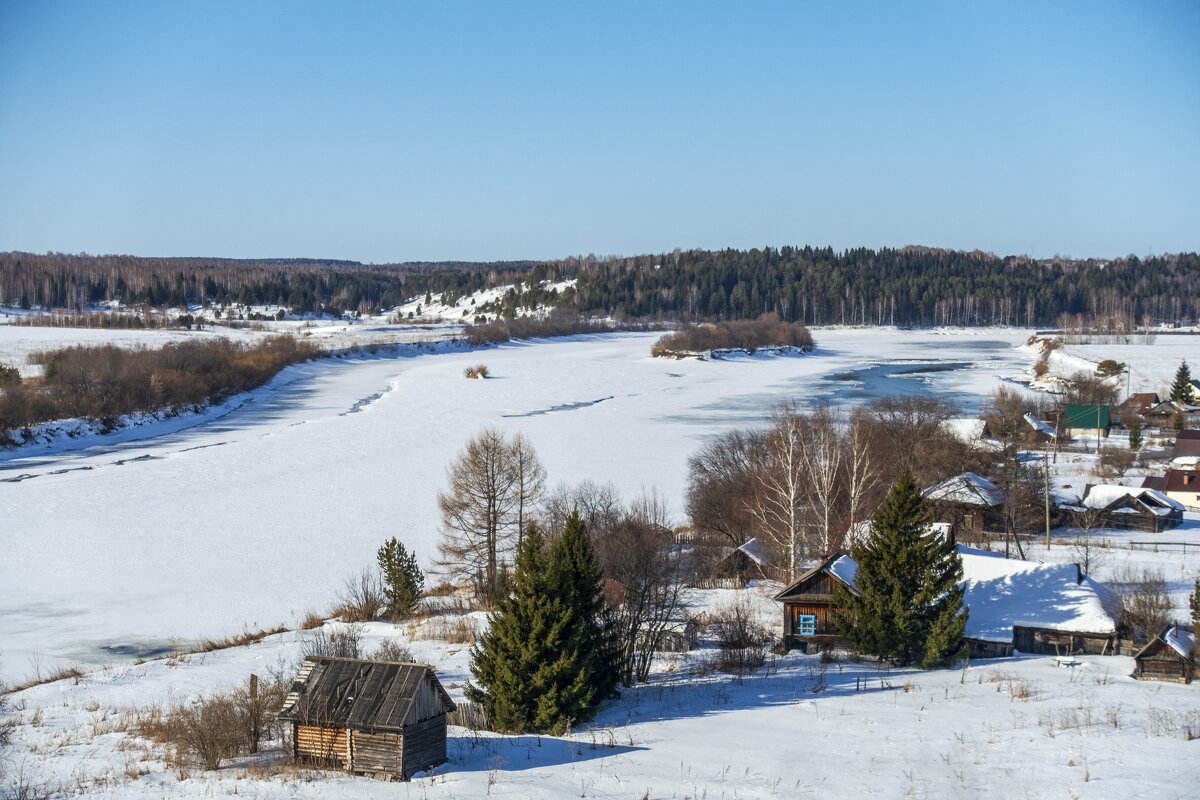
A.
pixel 1176 630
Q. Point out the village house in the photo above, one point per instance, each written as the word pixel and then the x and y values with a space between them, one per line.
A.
pixel 1183 486
pixel 1187 444
pixel 1042 431
pixel 1125 508
pixel 1134 409
pixel 383 719
pixel 970 503
pixel 1086 419
pixel 1169 657
pixel 1012 604
pixel 744 563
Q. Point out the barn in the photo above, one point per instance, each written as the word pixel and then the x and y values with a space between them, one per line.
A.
pixel 383 719
pixel 1168 658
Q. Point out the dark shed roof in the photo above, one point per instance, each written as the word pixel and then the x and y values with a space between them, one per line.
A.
pixel 360 695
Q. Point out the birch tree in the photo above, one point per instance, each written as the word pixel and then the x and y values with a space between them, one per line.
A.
pixel 779 488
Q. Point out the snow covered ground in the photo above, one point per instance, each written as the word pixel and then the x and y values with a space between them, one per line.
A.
pixel 1011 728
pixel 121 549
pixel 1151 366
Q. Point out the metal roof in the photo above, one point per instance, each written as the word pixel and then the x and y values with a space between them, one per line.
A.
pixel 356 694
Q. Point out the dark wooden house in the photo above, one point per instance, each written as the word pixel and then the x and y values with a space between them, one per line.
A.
pixel 1170 657
pixel 1125 508
pixel 745 563
pixel 383 719
pixel 808 605
pixel 970 503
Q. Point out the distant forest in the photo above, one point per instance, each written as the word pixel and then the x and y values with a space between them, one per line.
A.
pixel 56 280
pixel 912 286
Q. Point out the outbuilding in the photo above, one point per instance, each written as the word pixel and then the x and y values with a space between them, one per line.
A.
pixel 384 719
pixel 1169 657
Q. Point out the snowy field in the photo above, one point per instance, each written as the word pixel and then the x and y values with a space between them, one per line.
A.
pixel 1151 366
pixel 796 729
pixel 127 549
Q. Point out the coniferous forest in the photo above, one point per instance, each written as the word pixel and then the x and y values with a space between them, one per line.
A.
pixel 913 286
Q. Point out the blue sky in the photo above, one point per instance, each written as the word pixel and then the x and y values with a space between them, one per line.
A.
pixel 400 131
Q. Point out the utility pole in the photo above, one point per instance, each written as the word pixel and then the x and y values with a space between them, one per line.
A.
pixel 1046 474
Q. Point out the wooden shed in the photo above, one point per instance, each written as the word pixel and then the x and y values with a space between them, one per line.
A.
pixel 377 718
pixel 1170 657
pixel 808 606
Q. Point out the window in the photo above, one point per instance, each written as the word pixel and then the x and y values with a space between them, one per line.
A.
pixel 806 624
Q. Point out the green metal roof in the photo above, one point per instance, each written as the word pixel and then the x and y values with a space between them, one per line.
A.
pixel 1085 416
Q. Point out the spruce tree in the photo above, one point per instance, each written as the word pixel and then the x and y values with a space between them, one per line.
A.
pixel 909 607
pixel 580 579
pixel 1180 389
pixel 530 669
pixel 403 580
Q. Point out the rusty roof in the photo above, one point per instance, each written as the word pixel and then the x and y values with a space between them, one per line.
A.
pixel 357 694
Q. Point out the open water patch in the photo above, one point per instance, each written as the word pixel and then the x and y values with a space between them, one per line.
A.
pixel 563 407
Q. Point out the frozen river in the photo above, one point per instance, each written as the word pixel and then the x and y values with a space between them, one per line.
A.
pixel 253 519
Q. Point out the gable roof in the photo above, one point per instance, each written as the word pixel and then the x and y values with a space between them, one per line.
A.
pixel 1185 447
pixel 1109 497
pixel 357 694
pixel 1140 401
pixel 839 565
pixel 1182 642
pixel 966 488
pixel 1087 415
pixel 753 550
pixel 1182 480
pixel 1039 426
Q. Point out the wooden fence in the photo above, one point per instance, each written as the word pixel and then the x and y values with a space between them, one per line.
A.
pixel 469 715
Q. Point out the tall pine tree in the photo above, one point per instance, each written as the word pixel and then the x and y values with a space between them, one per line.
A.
pixel 1181 391
pixel 910 604
pixel 531 669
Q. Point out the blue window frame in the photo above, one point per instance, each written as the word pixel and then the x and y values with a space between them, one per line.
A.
pixel 806 624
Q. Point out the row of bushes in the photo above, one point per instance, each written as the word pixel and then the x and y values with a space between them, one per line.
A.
pixel 749 335
pixel 105 382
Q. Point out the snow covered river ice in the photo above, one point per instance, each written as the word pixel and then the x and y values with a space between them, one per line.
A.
pixel 128 549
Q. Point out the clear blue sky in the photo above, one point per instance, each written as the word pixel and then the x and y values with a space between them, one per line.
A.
pixel 401 131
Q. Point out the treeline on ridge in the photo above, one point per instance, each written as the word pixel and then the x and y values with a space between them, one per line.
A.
pixel 57 280
pixel 912 286
pixel 749 335
pixel 105 382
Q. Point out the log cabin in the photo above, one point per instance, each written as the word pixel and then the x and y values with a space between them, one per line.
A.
pixel 808 605
pixel 1169 657
pixel 382 719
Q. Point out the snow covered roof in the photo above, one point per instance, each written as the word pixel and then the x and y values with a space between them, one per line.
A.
pixel 966 488
pixel 1181 642
pixel 861 531
pixel 754 550
pixel 844 569
pixel 1001 592
pixel 1040 426
pixel 1105 495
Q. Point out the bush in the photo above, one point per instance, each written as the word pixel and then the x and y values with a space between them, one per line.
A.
pixel 749 335
pixel 362 598
pixel 392 650
pixel 477 371
pixel 1141 602
pixel 340 642
pixel 209 729
pixel 743 642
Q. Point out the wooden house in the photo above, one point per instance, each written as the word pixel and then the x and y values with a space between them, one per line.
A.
pixel 1086 419
pixel 1134 409
pixel 808 604
pixel 383 719
pixel 1126 508
pixel 744 563
pixel 1183 486
pixel 1169 657
pixel 970 503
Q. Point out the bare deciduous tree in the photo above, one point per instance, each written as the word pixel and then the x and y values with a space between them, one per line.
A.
pixel 780 489
pixel 720 484
pixel 494 486
pixel 821 456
